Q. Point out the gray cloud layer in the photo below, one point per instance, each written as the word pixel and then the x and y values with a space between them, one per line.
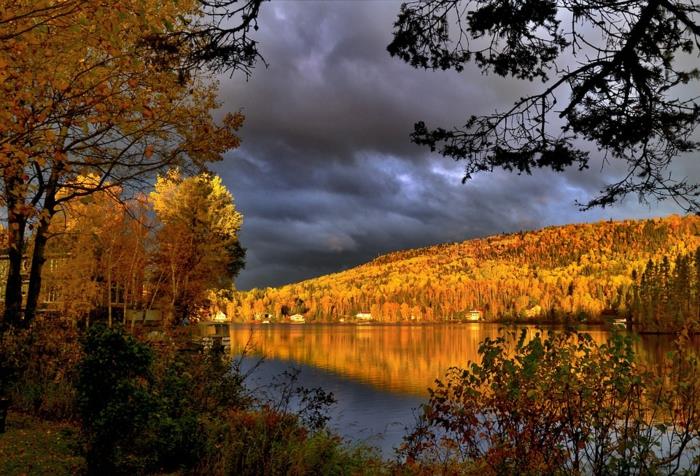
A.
pixel 327 177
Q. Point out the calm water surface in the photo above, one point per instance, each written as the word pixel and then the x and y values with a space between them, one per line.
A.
pixel 379 374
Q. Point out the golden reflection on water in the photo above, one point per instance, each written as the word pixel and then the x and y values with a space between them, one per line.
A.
pixel 396 358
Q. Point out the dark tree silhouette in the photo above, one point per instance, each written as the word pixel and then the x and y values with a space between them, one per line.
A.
pixel 621 64
pixel 219 40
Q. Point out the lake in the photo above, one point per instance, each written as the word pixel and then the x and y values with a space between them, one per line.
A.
pixel 379 374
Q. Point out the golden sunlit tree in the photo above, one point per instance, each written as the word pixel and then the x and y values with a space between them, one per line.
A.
pixel 197 247
pixel 100 245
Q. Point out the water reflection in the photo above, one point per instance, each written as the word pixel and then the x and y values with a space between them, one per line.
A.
pixel 379 374
pixel 399 358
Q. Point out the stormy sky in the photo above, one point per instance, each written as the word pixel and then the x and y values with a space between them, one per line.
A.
pixel 327 177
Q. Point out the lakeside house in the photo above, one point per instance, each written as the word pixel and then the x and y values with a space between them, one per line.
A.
pixel 297 318
pixel 363 316
pixel 50 297
pixel 534 311
pixel 621 322
pixel 106 299
pixel 474 315
pixel 144 315
pixel 220 317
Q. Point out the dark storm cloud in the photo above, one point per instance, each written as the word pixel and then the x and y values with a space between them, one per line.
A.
pixel 327 177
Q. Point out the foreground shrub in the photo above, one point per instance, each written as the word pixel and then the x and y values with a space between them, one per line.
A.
pixel 559 404
pixel 270 443
pixel 165 408
pixel 133 422
pixel 114 400
pixel 38 368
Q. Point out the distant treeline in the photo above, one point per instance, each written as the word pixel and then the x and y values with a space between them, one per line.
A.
pixel 582 272
pixel 667 295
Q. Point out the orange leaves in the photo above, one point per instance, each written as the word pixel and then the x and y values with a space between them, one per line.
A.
pixel 197 241
pixel 569 272
pixel 234 121
pixel 88 75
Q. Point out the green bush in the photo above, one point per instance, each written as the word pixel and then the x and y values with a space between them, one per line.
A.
pixel 133 422
pixel 114 401
pixel 13 349
pixel 559 404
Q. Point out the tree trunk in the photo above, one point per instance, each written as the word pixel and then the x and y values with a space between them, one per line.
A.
pixel 125 305
pixel 16 225
pixel 38 255
pixel 13 286
pixel 109 288
pixel 38 260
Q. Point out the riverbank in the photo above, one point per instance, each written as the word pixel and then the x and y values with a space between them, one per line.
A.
pixel 589 324
pixel 108 402
pixel 502 322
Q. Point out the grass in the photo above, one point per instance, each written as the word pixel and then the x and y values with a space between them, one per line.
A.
pixel 31 446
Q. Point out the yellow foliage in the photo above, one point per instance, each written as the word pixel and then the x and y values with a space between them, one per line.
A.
pixel 569 272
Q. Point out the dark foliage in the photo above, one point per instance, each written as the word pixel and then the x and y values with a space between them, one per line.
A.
pixel 113 398
pixel 622 63
pixel 166 407
pixel 220 41
pixel 38 369
pixel 666 297
pixel 132 421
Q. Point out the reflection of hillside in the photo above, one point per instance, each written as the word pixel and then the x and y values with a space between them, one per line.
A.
pixel 405 359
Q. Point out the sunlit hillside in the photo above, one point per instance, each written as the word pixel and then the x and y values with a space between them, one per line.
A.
pixel 581 271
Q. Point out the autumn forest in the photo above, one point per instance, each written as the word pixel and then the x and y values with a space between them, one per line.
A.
pixel 372 314
pixel 641 270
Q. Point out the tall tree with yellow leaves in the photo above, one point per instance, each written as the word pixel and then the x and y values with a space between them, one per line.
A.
pixel 197 246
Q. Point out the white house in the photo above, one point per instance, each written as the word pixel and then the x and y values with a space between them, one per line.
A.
pixel 298 318
pixel 534 311
pixel 219 317
pixel 474 315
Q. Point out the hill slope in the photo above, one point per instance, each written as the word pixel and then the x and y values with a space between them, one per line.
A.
pixel 573 271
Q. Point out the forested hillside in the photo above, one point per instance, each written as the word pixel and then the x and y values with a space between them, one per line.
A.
pixel 573 272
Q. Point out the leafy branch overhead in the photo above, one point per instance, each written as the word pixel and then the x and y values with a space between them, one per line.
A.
pixel 618 76
pixel 217 38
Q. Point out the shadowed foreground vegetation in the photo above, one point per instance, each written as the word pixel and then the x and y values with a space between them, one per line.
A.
pixel 108 402
pixel 134 406
pixel 39 447
pixel 563 404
